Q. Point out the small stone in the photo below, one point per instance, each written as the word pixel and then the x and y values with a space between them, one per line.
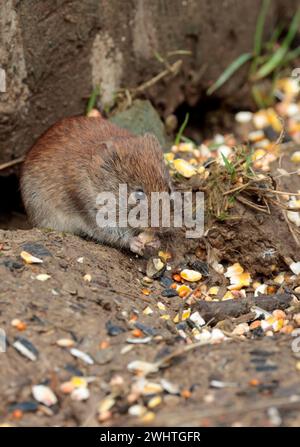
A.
pixel 113 329
pixel 148 330
pixel 271 133
pixel 166 282
pixel 69 288
pixel 200 266
pixel 36 249
pixel 104 356
pixel 11 264
pixel 266 368
pixel 25 407
pixel 141 117
pixel 169 293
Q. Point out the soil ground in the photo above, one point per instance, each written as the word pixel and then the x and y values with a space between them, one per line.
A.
pixel 67 306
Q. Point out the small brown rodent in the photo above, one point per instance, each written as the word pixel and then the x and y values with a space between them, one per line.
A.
pixel 80 157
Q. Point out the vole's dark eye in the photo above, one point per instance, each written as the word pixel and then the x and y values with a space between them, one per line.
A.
pixel 139 194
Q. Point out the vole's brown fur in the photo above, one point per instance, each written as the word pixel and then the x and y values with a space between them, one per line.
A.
pixel 80 157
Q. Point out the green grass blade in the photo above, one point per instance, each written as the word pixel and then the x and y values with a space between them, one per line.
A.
pixel 276 59
pixel 187 140
pixel 228 165
pixel 230 70
pixel 181 130
pixel 93 99
pixel 275 36
pixel 291 55
pixel 258 37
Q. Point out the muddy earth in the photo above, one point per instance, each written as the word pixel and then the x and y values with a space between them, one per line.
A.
pixel 95 299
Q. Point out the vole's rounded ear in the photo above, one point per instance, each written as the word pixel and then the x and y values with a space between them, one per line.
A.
pixel 103 151
pixel 152 141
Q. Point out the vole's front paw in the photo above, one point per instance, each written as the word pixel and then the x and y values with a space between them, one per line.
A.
pixel 136 245
pixel 143 246
pixel 151 248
